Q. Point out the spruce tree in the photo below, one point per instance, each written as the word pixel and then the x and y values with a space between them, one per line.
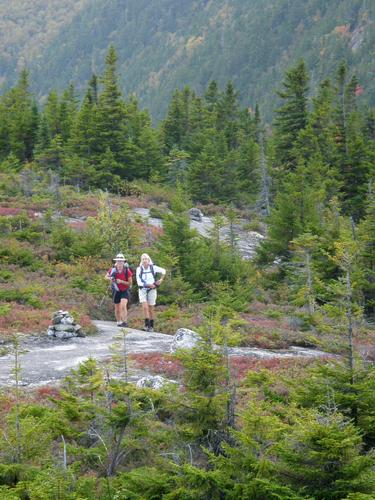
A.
pixel 292 115
pixel 110 113
pixel 21 120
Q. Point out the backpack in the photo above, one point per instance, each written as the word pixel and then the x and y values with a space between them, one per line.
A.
pixel 152 272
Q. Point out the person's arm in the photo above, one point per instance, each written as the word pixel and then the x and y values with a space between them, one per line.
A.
pixel 137 274
pixel 162 271
pixel 129 281
pixel 108 276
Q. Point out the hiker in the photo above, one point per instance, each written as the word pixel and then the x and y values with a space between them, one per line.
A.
pixel 121 278
pixel 147 282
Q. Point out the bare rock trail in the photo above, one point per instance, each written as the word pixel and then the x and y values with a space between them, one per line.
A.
pixel 47 361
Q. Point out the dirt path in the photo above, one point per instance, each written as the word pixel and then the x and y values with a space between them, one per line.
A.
pixel 49 360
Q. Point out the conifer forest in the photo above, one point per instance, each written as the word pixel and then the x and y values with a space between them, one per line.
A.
pixel 285 157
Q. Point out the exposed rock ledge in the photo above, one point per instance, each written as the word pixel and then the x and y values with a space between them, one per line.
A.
pixel 49 360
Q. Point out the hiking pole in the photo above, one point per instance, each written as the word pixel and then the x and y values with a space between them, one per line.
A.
pixel 102 300
pixel 104 296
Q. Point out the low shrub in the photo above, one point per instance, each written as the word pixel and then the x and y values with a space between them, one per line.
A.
pixel 27 296
pixel 13 252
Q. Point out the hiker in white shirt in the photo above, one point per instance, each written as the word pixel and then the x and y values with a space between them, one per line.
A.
pixel 147 283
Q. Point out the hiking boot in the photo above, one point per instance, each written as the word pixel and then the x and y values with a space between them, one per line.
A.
pixel 124 324
pixel 150 329
pixel 147 325
pixel 119 323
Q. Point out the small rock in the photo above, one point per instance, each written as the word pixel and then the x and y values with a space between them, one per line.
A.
pixel 50 332
pixel 65 335
pixel 67 320
pixel 184 339
pixel 196 214
pixel 64 328
pixel 154 382
pixel 57 319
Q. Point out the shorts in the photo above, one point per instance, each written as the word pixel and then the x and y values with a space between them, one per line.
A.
pixel 118 296
pixel 147 295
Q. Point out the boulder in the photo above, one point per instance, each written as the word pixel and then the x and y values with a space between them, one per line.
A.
pixel 196 214
pixel 184 339
pixel 154 382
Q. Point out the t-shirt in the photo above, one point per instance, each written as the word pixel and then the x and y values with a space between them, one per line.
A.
pixel 121 276
pixel 147 277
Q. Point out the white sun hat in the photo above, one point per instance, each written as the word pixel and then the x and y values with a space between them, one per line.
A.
pixel 119 257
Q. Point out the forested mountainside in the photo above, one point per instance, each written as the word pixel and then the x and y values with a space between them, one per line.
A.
pixel 27 27
pixel 164 44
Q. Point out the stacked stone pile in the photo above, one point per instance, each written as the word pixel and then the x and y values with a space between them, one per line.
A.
pixel 64 327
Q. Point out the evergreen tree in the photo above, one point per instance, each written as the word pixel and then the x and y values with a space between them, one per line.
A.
pixel 212 96
pixel 292 115
pixel 321 457
pixel 110 114
pixel 52 112
pixel 367 238
pixel 297 209
pixel 68 110
pixel 21 120
pixel 173 126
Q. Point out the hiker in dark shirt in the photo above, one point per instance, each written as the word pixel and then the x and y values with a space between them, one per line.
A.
pixel 121 279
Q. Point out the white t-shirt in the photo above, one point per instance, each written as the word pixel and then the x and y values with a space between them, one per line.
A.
pixel 147 277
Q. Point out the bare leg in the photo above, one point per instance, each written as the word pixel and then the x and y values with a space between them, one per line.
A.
pixel 124 309
pixel 118 312
pixel 151 311
pixel 146 312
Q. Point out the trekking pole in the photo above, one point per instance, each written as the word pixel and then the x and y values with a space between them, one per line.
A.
pixel 102 299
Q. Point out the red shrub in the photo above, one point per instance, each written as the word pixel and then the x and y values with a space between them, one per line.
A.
pixel 24 319
pixel 164 364
pixel 5 211
pixel 46 392
pixel 240 365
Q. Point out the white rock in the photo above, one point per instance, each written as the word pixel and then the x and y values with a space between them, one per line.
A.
pixel 184 339
pixel 154 382
pixel 67 320
pixel 50 332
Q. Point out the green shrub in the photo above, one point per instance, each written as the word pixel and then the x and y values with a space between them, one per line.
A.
pixel 6 275
pixel 4 309
pixel 13 253
pixel 11 474
pixel 25 296
pixel 157 213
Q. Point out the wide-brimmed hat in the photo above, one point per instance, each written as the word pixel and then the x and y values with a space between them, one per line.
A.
pixel 119 258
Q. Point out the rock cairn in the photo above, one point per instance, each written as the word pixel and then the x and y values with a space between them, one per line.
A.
pixel 64 327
